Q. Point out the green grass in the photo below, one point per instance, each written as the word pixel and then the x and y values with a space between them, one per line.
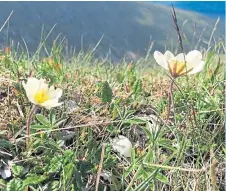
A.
pixel 103 100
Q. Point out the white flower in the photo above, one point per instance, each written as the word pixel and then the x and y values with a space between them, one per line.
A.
pixel 40 94
pixel 122 145
pixel 106 175
pixel 5 171
pixel 176 64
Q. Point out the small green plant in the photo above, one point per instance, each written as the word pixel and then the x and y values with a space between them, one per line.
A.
pixel 106 95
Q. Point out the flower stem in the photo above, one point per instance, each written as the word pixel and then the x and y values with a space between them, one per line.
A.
pixel 171 102
pixel 29 123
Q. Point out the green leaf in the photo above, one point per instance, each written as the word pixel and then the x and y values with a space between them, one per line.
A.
pixel 133 156
pixel 33 179
pixel 68 172
pixel 162 178
pixel 136 121
pixel 137 88
pixel 52 117
pixel 43 120
pixel 5 144
pixel 216 70
pixel 166 144
pixel 39 127
pixel 79 180
pixel 54 165
pixel 58 123
pixel 107 94
pixel 185 38
pixel 17 170
pixel 15 185
pixel 54 186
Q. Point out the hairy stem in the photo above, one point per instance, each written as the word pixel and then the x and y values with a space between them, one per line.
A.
pixel 171 102
pixel 28 125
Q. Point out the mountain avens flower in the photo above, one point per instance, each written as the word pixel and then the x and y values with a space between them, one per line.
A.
pixel 39 93
pixel 122 145
pixel 181 64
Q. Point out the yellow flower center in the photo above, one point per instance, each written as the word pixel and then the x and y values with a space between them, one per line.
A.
pixel 41 96
pixel 176 67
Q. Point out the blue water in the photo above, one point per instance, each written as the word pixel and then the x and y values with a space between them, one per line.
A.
pixel 208 8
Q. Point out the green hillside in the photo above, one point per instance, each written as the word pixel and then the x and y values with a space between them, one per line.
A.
pixel 126 26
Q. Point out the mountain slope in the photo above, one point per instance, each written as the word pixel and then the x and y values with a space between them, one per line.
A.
pixel 126 26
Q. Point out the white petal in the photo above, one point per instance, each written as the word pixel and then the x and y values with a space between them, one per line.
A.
pixel 106 175
pixel 180 57
pixel 169 56
pixel 160 59
pixel 31 87
pixel 51 103
pixel 122 145
pixel 43 85
pixel 198 68
pixel 193 59
pixel 6 173
pixel 54 94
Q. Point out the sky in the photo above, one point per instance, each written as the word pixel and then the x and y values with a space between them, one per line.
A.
pixel 209 8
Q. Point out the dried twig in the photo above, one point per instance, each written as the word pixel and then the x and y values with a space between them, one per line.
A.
pixel 100 167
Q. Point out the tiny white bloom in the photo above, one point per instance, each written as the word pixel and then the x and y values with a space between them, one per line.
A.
pixel 40 94
pixel 181 64
pixel 106 175
pixel 122 145
pixel 5 171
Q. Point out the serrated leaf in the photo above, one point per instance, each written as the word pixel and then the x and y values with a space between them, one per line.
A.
pixel 15 185
pixel 67 171
pixel 33 179
pixel 54 165
pixel 107 94
pixel 137 87
pixel 54 186
pixel 17 170
pixel 43 120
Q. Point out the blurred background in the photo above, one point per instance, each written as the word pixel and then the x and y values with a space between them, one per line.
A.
pixel 126 29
